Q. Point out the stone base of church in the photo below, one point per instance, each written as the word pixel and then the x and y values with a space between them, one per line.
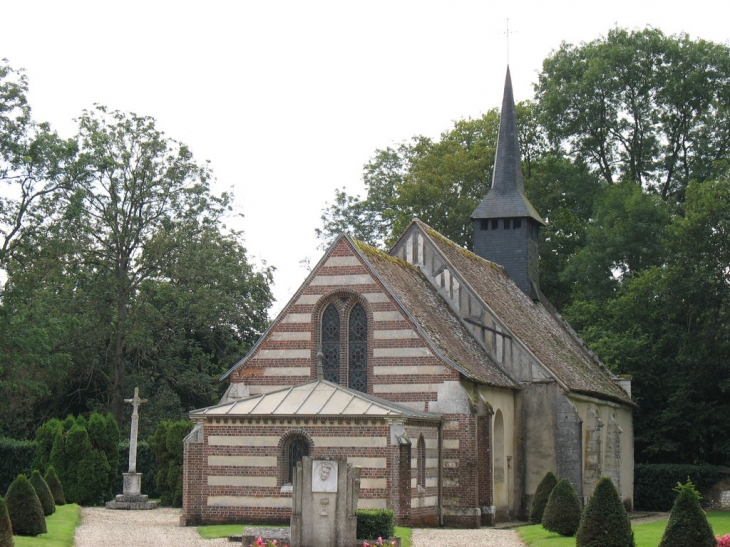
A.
pixel 131 502
pixel 469 517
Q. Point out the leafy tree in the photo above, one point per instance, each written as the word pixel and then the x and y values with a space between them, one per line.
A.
pixel 562 512
pixel 539 501
pixel 43 493
pixel 167 443
pixel 6 527
pixel 604 522
pixel 687 525
pixel 55 486
pixel 26 514
pixel 640 106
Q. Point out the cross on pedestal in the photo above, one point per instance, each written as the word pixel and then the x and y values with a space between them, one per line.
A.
pixel 135 401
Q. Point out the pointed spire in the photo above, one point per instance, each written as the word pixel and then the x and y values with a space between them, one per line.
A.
pixel 506 198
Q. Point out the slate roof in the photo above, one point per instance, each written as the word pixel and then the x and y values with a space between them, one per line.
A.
pixel 434 317
pixel 506 197
pixel 313 398
pixel 543 333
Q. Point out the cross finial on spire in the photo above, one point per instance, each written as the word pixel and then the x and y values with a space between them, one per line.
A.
pixel 507 34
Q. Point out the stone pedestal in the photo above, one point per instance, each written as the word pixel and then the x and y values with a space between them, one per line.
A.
pixel 326 491
pixel 131 498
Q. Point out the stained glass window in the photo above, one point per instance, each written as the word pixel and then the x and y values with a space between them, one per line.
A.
pixel 358 349
pixel 331 344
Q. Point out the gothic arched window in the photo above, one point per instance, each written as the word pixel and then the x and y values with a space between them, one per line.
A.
pixel 295 449
pixel 331 344
pixel 357 338
pixel 421 462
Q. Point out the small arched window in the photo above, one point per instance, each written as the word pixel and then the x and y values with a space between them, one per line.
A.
pixel 295 449
pixel 421 462
pixel 357 338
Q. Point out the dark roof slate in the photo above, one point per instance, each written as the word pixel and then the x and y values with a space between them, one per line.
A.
pixel 430 311
pixel 532 323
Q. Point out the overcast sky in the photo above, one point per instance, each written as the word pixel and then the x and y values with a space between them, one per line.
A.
pixel 289 99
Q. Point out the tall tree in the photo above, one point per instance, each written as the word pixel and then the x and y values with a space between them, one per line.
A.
pixel 640 106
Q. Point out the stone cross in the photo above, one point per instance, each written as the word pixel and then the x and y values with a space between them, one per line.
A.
pixel 135 401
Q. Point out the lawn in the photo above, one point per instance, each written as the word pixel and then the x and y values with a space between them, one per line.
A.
pixel 225 530
pixel 646 535
pixel 61 526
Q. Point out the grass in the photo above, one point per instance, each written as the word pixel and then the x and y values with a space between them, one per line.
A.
pixel 646 535
pixel 224 530
pixel 61 526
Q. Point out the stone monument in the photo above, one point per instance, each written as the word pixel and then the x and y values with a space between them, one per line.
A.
pixel 132 497
pixel 326 491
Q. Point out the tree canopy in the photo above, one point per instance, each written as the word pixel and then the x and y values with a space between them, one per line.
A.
pixel 119 270
pixel 625 154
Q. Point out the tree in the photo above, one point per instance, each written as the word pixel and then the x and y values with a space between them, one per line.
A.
pixel 55 486
pixel 43 493
pixel 687 525
pixel 604 521
pixel 6 527
pixel 639 106
pixel 167 444
pixel 539 501
pixel 562 512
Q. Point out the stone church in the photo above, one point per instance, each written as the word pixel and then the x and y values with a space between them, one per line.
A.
pixel 444 374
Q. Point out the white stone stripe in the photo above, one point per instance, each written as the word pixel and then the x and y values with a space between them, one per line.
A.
pixel 432 463
pixel 247 501
pixel 416 370
pixel 308 299
pixel 296 335
pixel 354 279
pixel 243 461
pixel 353 442
pixel 342 261
pixel 283 354
pixel 387 316
pixel 431 443
pixel 451 444
pixel 405 388
pixel 432 481
pixel 258 390
pixel 394 334
pixel 286 371
pixel 372 503
pixel 368 484
pixel 401 352
pixel 239 440
pixel 376 297
pixel 228 480
pixel 429 501
pixel 374 463
pixel 297 318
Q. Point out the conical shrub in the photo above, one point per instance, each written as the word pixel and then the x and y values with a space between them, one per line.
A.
pixel 562 512
pixel 687 526
pixel 604 522
pixel 6 528
pixel 43 493
pixel 24 507
pixel 540 499
pixel 55 486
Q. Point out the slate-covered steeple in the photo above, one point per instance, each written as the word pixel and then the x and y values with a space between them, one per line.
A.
pixel 506 225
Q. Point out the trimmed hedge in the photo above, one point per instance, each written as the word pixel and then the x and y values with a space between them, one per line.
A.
pixel 687 526
pixel 15 458
pixel 54 485
pixel 167 444
pixel 24 507
pixel 43 492
pixel 604 521
pixel 375 523
pixel 146 464
pixel 562 513
pixel 654 483
pixel 539 501
pixel 6 528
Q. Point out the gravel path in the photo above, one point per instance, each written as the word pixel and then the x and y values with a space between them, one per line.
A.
pixel 159 528
pixel 153 528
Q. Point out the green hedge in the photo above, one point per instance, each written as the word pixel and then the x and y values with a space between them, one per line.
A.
pixel 167 444
pixel 654 483
pixel 15 459
pixel 374 523
pixel 146 464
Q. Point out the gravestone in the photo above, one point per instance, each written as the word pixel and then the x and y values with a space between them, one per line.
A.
pixel 326 491
pixel 132 497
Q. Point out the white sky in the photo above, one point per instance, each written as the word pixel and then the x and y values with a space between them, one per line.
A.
pixel 289 99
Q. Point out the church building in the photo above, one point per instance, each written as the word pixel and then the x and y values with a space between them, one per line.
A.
pixel 445 374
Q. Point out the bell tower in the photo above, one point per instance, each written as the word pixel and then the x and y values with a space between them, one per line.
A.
pixel 506 225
